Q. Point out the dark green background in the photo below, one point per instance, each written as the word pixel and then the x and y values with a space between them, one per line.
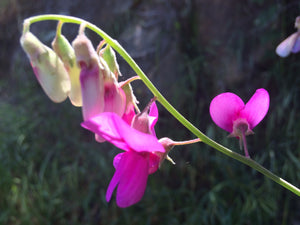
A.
pixel 53 172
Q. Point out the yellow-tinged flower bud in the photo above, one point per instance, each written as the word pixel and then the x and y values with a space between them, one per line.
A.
pixel 65 51
pixel 47 66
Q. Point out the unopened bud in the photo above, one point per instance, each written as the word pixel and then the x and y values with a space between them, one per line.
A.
pixel 109 55
pixel 65 51
pixel 47 66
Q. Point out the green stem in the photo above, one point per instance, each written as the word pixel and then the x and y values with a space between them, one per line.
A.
pixel 58 28
pixel 113 43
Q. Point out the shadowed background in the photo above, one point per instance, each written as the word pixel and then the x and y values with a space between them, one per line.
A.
pixel 53 172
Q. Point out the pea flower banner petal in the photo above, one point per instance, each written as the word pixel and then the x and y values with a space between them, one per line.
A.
pixel 115 130
pixel 224 109
pixel 256 108
pixel 227 108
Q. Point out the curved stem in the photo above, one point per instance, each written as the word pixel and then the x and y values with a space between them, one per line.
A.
pixel 114 44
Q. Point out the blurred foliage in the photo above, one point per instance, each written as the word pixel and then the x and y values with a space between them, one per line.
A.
pixel 53 172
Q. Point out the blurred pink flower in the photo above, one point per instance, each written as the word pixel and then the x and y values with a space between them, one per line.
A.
pixel 291 43
pixel 137 162
pixel 230 113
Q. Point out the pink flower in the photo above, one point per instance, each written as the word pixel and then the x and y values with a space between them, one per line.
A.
pixel 137 162
pixel 227 108
pixel 99 87
pixel 291 43
pixel 230 113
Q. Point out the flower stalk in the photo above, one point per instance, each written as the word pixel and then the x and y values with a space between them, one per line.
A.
pixel 188 142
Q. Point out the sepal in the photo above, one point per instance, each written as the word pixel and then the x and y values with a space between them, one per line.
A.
pixel 109 55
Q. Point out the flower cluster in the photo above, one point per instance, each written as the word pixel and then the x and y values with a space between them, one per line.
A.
pixel 89 77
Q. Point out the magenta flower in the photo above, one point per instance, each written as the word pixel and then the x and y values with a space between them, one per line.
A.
pixel 291 43
pixel 136 163
pixel 230 113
